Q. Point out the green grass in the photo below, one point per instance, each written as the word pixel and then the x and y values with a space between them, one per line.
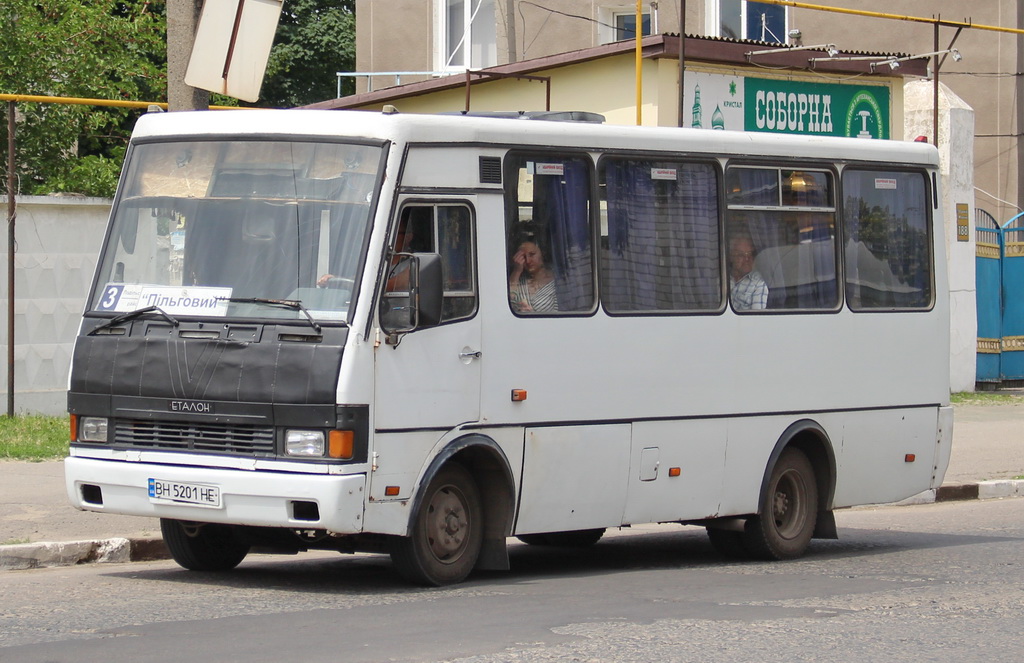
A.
pixel 14 542
pixel 33 437
pixel 986 398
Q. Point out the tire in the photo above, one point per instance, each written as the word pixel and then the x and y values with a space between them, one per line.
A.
pixel 728 543
pixel 447 531
pixel 199 547
pixel 583 538
pixel 789 510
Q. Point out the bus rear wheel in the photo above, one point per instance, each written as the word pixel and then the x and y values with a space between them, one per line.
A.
pixel 203 547
pixel 789 510
pixel 447 532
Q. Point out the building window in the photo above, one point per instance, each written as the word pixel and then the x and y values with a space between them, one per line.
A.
pixel 618 23
pixel 743 19
pixel 467 35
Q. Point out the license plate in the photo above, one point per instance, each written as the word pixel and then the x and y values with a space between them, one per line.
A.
pixel 179 492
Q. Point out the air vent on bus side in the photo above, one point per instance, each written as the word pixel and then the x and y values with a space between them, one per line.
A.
pixel 490 170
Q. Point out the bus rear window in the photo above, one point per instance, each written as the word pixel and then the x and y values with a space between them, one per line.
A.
pixel 886 240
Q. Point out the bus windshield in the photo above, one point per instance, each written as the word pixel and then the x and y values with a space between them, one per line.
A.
pixel 223 228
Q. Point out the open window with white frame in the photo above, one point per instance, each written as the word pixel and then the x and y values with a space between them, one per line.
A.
pixel 745 19
pixel 465 35
pixel 618 22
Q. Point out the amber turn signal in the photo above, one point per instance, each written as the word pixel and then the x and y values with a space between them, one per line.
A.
pixel 341 443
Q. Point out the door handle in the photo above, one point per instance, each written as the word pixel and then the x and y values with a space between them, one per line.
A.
pixel 469 354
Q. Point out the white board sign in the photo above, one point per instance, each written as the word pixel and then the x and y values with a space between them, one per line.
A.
pixel 232 46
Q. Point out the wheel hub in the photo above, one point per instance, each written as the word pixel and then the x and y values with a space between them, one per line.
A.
pixel 450 524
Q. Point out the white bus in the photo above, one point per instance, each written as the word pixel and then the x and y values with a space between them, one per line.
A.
pixel 422 335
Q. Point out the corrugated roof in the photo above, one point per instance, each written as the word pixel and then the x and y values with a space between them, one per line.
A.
pixel 700 48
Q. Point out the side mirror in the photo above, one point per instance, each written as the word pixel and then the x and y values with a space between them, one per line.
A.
pixel 417 296
pixel 428 292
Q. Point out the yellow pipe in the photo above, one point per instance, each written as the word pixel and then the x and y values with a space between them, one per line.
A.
pixel 639 30
pixel 121 103
pixel 898 17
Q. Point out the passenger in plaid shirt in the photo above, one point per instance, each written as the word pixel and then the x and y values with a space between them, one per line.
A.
pixel 747 290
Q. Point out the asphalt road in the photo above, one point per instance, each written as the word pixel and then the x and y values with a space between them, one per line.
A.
pixel 936 582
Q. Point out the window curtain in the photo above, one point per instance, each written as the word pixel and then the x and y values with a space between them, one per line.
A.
pixel 562 205
pixel 663 247
pixel 630 274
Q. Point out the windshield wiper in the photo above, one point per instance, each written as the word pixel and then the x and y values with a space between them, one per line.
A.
pixel 292 304
pixel 131 315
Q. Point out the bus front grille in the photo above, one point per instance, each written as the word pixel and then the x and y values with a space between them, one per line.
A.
pixel 173 435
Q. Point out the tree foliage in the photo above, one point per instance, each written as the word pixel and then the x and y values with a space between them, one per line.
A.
pixel 116 49
pixel 106 49
pixel 315 40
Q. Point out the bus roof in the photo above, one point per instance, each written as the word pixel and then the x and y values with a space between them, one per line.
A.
pixel 455 128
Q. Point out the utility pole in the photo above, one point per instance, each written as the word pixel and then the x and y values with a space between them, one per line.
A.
pixel 1019 125
pixel 11 216
pixel 510 29
pixel 182 19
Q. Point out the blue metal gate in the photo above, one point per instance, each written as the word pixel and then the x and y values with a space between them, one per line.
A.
pixel 1011 365
pixel 988 276
pixel 999 270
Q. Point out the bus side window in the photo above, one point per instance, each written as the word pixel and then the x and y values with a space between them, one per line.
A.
pixel 886 240
pixel 445 229
pixel 660 240
pixel 786 218
pixel 455 244
pixel 550 267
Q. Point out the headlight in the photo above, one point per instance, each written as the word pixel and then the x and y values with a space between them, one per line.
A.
pixel 304 443
pixel 92 429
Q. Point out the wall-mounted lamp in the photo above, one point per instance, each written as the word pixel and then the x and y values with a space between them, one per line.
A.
pixel 828 48
pixel 894 63
pixel 846 58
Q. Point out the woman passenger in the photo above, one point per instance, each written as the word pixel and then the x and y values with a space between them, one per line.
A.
pixel 531 285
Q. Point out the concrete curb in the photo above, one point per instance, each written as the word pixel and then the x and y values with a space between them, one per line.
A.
pixel 119 550
pixel 69 553
pixel 981 490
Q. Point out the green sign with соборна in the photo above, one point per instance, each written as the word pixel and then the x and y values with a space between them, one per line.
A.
pixel 821 109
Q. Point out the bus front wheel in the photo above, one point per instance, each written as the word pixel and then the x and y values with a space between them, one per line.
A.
pixel 199 547
pixel 789 510
pixel 447 532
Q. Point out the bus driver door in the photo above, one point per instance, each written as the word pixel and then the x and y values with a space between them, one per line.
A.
pixel 428 377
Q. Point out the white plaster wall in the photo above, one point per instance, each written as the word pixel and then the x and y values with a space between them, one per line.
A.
pixel 57 241
pixel 956 155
